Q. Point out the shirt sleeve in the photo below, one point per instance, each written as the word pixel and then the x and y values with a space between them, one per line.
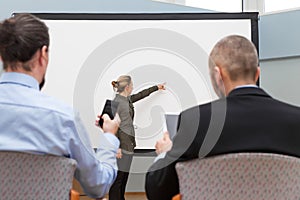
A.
pixel 160 156
pixel 95 171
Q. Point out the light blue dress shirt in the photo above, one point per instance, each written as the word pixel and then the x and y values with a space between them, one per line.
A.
pixel 31 121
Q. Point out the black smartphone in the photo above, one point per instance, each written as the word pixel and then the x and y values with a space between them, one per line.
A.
pixel 110 108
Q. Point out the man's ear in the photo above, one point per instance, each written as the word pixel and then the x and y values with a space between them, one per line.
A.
pixel 219 83
pixel 218 76
pixel 44 56
pixel 1 64
pixel 257 74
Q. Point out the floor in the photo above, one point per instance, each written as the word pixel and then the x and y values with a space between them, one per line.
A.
pixel 128 196
pixel 137 196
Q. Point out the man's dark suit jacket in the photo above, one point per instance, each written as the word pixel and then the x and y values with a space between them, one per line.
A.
pixel 248 120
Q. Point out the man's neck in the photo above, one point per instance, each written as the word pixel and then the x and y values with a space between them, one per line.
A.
pixel 22 71
pixel 237 84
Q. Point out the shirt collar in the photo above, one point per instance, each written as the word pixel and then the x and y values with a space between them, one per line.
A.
pixel 245 86
pixel 20 79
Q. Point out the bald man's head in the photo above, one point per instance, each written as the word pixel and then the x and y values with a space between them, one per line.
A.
pixel 233 61
pixel 237 55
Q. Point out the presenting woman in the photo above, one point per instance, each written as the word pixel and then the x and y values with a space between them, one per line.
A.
pixel 126 134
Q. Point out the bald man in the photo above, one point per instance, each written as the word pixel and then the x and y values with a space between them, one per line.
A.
pixel 244 119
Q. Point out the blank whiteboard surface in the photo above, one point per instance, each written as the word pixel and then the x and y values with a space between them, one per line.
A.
pixel 87 54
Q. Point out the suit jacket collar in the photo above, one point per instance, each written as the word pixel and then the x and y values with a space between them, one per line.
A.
pixel 248 91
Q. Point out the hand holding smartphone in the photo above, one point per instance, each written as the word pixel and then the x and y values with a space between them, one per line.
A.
pixel 110 108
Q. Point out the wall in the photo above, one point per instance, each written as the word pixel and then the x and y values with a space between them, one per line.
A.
pixel 7 7
pixel 280 77
pixel 280 55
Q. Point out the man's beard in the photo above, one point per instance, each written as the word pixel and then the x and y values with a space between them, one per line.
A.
pixel 42 83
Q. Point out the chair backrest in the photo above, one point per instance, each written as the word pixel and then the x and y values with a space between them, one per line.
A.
pixel 35 177
pixel 240 176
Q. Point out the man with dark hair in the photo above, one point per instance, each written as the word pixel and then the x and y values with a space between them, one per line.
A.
pixel 244 119
pixel 36 123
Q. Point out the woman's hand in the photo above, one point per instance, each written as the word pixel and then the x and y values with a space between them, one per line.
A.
pixel 119 153
pixel 161 86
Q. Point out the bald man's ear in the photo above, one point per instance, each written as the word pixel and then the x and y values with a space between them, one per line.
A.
pixel 218 76
pixel 218 81
pixel 257 74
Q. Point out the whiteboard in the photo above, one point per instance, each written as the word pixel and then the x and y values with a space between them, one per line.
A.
pixel 88 51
